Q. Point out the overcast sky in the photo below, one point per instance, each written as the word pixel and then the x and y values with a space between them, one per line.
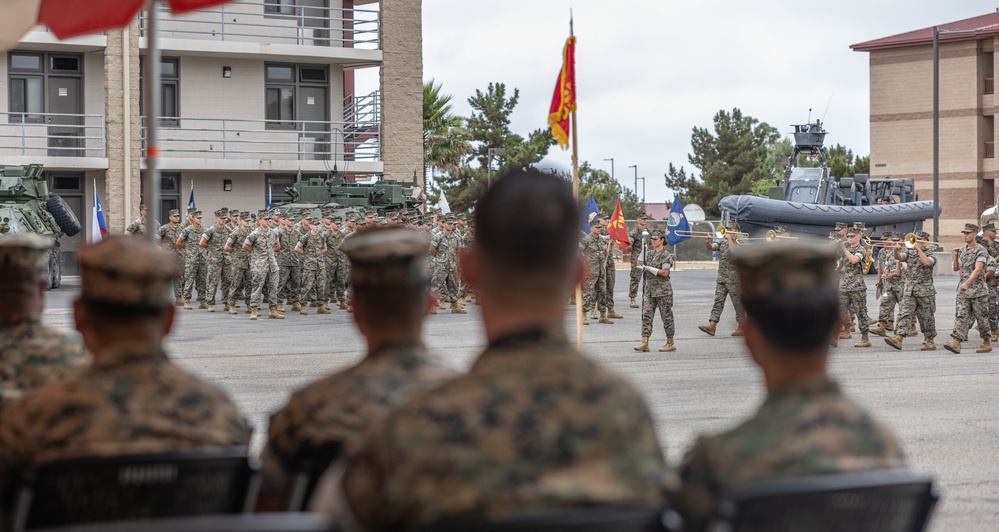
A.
pixel 649 71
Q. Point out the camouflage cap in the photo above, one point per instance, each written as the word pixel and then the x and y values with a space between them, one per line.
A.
pixel 191 210
pixel 860 226
pixel 853 231
pixel 174 212
pixel 785 268
pixel 970 228
pixel 896 235
pixel 245 215
pixel 782 230
pixel 642 216
pixel 234 212
pixel 833 235
pixel 126 271
pixel 657 233
pixel 224 210
pixel 991 226
pixel 840 226
pixel 195 214
pixel 142 206
pixel 462 216
pixel 732 225
pixel 922 235
pixel 28 251
pixel 382 257
pixel 886 235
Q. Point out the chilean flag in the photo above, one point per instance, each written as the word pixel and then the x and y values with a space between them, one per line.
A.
pixel 98 227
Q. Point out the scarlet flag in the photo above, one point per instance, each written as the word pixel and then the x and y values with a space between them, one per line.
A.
pixel 564 99
pixel 617 229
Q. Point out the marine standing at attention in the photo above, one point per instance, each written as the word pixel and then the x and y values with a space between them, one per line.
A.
pixel 658 292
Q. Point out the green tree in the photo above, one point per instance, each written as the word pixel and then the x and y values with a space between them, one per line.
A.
pixel 445 139
pixel 606 191
pixel 730 160
pixel 489 127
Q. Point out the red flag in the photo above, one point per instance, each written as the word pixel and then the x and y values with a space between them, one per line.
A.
pixel 564 99
pixel 617 229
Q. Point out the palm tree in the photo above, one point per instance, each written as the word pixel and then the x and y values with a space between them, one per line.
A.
pixel 445 139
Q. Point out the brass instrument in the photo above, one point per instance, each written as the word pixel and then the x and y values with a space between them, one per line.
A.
pixel 911 241
pixel 721 232
pixel 769 236
pixel 682 232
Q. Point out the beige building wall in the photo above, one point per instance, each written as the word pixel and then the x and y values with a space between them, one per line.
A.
pixel 246 194
pixel 402 89
pixel 120 196
pixel 901 89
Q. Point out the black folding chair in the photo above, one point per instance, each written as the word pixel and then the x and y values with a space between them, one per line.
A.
pixel 115 488
pixel 307 472
pixel 875 501
pixel 582 519
pixel 268 522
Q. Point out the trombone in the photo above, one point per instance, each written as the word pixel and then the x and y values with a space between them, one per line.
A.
pixel 911 241
pixel 720 232
pixel 769 236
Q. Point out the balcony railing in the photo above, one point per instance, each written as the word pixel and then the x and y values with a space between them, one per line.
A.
pixel 52 135
pixel 989 86
pixel 990 149
pixel 303 140
pixel 274 23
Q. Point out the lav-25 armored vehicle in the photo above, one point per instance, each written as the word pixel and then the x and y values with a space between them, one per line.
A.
pixel 337 194
pixel 26 207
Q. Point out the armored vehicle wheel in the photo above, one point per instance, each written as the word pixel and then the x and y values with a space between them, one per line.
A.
pixel 63 215
pixel 55 269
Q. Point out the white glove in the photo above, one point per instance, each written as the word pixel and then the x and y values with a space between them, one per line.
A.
pixel 650 269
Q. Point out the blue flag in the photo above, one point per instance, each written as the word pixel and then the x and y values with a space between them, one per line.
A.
pixel 589 213
pixel 190 202
pixel 676 221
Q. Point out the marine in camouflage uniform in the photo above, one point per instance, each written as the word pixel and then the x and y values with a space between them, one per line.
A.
pixel 31 354
pixel 337 264
pixel 806 425
pixel 890 282
pixel 919 297
pixel 168 234
pixel 240 280
pixel 726 285
pixel 636 250
pixel 311 246
pixel 320 418
pixel 594 250
pixel 213 241
pixel 287 262
pixel 132 399
pixel 610 273
pixel 992 249
pixel 852 290
pixel 972 295
pixel 444 247
pixel 195 261
pixel 657 293
pixel 138 227
pixel 261 244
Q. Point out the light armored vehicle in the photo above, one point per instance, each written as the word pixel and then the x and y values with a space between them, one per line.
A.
pixel 27 207
pixel 335 193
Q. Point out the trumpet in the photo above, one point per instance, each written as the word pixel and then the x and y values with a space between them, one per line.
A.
pixel 769 236
pixel 911 241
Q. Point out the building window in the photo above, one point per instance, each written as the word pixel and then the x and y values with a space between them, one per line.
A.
pixel 28 77
pixel 284 84
pixel 279 7
pixel 169 90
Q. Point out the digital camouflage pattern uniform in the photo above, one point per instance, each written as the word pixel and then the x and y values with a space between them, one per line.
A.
pixel 195 262
pixel 727 284
pixel 891 291
pixel 445 274
pixel 533 425
pixel 919 296
pixel 313 272
pixel 972 304
pixel 610 272
pixel 240 278
pixel 322 416
pixel 992 249
pixel 137 227
pixel 263 266
pixel 658 293
pixel 168 234
pixel 215 237
pixel 336 266
pixel 852 290
pixel 594 250
pixel 287 262
pixel 33 355
pixel 636 250
pixel 808 427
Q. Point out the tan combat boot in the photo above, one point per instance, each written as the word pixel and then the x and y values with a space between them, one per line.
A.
pixel 275 314
pixel 880 329
pixel 928 345
pixel 954 346
pixel 303 310
pixel 187 304
pixel 865 341
pixel 297 307
pixel 611 313
pixel 644 346
pixel 890 326
pixel 314 304
pixel 605 319
pixel 585 321
pixel 344 305
pixel 323 309
pixel 668 346
pixel 995 335
pixel 280 308
pixel 739 331
pixel 441 305
pixel 211 308
pixel 254 313
pixel 350 308
pixel 202 305
pixel 986 346
pixel 709 328
pixel 895 341
pixel 230 310
pixel 456 308
pixel 180 301
pixel 845 334
pixel 634 304
pixel 912 331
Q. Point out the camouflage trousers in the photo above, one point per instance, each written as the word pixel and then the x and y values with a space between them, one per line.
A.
pixel 665 306
pixel 446 284
pixel 636 278
pixel 217 276
pixel 265 278
pixel 610 274
pixel 889 299
pixel 335 281
pixel 195 276
pixel 855 303
pixel 922 308
pixel 289 283
pixel 969 311
pixel 725 289
pixel 312 283
pixel 239 281
pixel 593 291
pixel 178 283
pixel 994 308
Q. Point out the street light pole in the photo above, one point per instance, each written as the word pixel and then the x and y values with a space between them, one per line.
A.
pixel 612 166
pixel 643 189
pixel 635 166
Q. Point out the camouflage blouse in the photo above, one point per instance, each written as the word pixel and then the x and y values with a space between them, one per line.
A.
pixel 33 355
pixel 966 261
pixel 918 278
pixel 852 279
pixel 656 285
